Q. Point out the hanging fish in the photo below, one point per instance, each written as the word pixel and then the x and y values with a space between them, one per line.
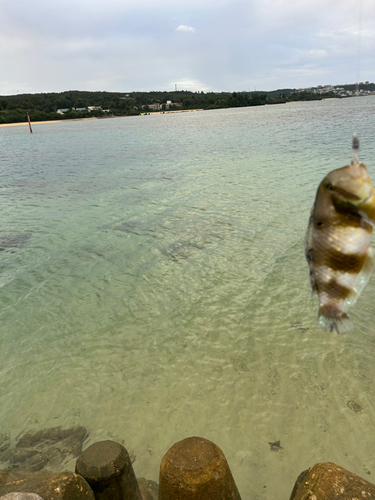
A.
pixel 338 237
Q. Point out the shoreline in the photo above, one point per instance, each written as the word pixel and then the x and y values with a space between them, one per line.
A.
pixel 19 124
pixel 170 111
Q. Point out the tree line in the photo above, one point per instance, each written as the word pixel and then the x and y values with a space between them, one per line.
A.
pixel 44 106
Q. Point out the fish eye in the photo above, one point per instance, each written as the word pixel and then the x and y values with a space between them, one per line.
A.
pixel 330 187
pixel 319 223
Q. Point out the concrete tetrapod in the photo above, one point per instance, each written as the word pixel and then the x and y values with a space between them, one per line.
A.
pixel 328 481
pixel 107 468
pixel 21 496
pixel 60 486
pixel 196 469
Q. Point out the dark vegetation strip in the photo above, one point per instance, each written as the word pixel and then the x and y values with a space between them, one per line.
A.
pixel 42 107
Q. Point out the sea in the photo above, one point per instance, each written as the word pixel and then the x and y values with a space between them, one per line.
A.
pixel 154 287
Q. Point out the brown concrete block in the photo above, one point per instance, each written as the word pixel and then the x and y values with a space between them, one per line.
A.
pixel 149 489
pixel 62 486
pixel 8 476
pixel 21 496
pixel 196 469
pixel 107 468
pixel 328 481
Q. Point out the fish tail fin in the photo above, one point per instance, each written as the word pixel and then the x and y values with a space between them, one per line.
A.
pixel 341 323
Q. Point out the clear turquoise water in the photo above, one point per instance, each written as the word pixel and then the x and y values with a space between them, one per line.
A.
pixel 163 291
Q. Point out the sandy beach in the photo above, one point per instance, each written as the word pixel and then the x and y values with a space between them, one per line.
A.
pixel 96 118
pixel 47 121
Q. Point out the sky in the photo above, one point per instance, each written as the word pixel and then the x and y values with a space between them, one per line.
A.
pixel 197 45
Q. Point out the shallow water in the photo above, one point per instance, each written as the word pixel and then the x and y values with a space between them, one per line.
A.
pixel 162 291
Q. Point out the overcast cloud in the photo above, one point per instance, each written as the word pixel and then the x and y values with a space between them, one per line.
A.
pixel 209 45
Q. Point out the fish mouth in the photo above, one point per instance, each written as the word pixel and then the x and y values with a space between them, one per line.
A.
pixel 366 199
pixel 349 196
pixel 352 197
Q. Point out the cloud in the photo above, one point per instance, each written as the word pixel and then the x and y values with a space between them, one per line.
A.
pixel 186 29
pixel 192 85
pixel 218 45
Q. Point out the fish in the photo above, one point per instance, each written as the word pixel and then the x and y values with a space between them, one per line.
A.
pixel 337 246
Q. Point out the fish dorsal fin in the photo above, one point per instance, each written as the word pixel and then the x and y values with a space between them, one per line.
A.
pixel 362 278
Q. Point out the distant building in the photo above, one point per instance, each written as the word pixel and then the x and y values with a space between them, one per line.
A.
pixel 169 104
pixel 62 111
pixel 94 108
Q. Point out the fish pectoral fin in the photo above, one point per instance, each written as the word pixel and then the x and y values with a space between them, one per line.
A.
pixel 366 218
pixel 309 233
pixel 362 279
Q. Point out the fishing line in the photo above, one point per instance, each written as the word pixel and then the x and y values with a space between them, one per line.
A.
pixel 359 42
pixel 355 143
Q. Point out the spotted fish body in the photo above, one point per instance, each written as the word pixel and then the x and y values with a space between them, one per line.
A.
pixel 338 238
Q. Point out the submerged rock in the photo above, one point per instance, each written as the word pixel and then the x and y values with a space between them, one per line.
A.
pixel 55 457
pixel 149 489
pixel 127 227
pixel 5 455
pixel 132 227
pixel 4 442
pixel 182 250
pixel 47 447
pixel 13 240
pixel 29 460
pixel 67 441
